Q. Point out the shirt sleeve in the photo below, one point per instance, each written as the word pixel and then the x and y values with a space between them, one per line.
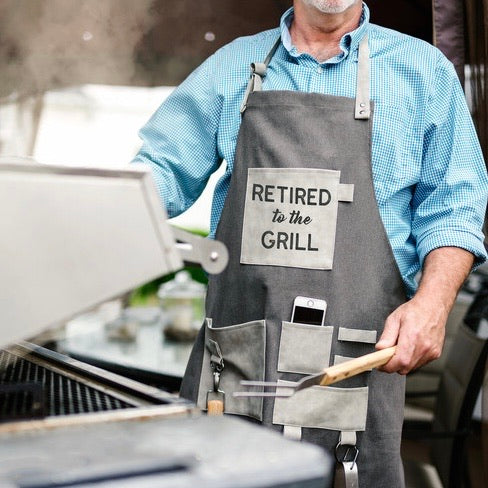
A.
pixel 449 202
pixel 179 141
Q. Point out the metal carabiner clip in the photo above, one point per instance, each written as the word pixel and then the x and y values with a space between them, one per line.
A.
pixel 216 397
pixel 216 380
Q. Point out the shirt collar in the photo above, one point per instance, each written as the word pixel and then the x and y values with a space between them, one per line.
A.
pixel 349 42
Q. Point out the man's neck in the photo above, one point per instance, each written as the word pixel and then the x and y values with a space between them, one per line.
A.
pixel 319 34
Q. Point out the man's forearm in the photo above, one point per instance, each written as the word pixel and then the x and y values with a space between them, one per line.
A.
pixel 445 270
pixel 418 326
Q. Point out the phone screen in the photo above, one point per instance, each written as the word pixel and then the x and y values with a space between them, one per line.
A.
pixel 306 315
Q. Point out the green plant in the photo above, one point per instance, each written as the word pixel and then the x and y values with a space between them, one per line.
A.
pixel 146 294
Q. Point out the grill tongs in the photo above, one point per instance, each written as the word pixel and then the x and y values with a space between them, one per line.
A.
pixel 328 376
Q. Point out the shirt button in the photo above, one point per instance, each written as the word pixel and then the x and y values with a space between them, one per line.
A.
pixel 320 69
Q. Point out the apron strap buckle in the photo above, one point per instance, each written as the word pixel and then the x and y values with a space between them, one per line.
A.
pixel 346 457
pixel 346 453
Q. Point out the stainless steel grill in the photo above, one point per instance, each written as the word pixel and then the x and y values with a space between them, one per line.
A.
pixel 28 389
pixel 36 382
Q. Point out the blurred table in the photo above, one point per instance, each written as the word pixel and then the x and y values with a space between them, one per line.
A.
pixel 128 342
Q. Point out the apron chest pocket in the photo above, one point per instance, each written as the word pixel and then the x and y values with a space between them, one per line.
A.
pixel 304 348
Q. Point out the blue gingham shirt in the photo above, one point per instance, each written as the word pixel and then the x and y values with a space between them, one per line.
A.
pixel 429 176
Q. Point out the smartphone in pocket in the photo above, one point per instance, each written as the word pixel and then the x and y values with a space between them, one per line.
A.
pixel 308 310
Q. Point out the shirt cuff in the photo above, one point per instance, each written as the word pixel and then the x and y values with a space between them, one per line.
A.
pixel 449 237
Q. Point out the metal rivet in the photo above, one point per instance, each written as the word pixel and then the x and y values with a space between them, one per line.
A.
pixel 362 105
pixel 362 112
pixel 214 256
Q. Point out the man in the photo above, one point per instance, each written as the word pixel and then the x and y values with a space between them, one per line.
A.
pixel 351 165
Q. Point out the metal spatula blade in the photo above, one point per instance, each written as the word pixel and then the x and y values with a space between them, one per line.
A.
pixel 329 376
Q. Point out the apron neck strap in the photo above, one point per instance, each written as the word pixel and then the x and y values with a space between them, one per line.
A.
pixel 272 52
pixel 363 104
pixel 258 71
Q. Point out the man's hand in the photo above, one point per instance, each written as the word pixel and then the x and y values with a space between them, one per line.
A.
pixel 418 326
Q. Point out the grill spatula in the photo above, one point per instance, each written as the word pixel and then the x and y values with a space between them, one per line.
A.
pixel 328 376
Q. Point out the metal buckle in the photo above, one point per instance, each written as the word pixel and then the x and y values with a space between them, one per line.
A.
pixel 345 458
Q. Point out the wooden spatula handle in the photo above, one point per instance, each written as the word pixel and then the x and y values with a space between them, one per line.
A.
pixel 358 365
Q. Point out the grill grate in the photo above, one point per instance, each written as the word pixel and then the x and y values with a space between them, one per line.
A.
pixel 60 395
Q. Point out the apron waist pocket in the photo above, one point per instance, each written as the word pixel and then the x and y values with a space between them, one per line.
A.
pixel 324 408
pixel 242 347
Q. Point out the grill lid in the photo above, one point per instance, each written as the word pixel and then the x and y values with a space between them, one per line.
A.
pixel 67 246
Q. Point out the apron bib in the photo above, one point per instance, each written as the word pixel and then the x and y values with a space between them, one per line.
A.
pixel 301 219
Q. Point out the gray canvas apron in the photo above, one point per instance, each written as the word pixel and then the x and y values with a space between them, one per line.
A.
pixel 301 219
